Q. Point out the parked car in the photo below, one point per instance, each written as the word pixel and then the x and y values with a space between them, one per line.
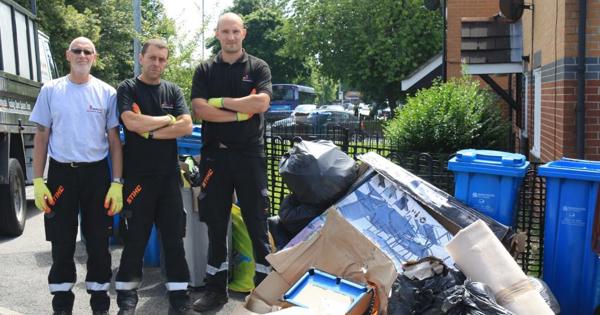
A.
pixel 300 113
pixel 334 107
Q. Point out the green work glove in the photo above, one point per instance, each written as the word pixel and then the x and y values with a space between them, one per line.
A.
pixel 243 116
pixel 114 199
pixel 173 119
pixel 216 102
pixel 43 197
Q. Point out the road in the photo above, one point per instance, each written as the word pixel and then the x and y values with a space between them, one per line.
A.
pixel 26 260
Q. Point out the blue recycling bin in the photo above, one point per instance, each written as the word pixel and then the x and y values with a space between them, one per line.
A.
pixel 570 267
pixel 152 253
pixel 489 181
pixel 190 144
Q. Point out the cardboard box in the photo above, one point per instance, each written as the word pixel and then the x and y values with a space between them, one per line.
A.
pixel 338 249
pixel 446 209
pixel 392 219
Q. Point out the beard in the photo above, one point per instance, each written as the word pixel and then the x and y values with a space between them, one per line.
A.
pixel 81 69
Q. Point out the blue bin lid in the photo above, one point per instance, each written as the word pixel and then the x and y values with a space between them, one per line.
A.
pixel 489 162
pixel 572 168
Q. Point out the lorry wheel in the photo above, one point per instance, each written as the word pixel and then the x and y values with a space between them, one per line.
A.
pixel 13 204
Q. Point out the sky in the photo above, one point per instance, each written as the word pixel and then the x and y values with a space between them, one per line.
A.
pixel 188 15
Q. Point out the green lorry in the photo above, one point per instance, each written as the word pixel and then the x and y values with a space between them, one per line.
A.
pixel 25 64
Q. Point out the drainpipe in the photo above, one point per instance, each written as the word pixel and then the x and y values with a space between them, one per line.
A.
pixel 580 111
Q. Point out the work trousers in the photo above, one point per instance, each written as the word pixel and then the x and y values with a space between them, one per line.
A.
pixel 152 200
pixel 223 171
pixel 79 189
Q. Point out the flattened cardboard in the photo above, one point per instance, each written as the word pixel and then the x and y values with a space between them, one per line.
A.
pixel 338 249
pixel 446 209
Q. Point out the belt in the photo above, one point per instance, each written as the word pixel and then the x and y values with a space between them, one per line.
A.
pixel 75 164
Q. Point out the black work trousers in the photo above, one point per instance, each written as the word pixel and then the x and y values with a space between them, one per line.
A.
pixel 152 200
pixel 223 171
pixel 79 189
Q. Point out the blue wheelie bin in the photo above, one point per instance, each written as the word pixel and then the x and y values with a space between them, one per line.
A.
pixel 489 181
pixel 571 267
pixel 190 144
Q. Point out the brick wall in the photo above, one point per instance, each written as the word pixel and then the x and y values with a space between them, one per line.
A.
pixel 554 51
pixel 555 42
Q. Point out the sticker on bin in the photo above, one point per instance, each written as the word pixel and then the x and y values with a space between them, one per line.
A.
pixel 326 294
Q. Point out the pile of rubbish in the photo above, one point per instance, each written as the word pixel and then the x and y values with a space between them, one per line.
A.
pixel 373 238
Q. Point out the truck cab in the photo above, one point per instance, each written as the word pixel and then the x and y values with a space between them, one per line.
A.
pixel 25 64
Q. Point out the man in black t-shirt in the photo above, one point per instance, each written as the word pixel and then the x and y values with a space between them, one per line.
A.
pixel 154 113
pixel 230 93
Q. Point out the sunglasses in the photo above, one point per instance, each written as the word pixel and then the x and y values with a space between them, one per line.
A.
pixel 78 51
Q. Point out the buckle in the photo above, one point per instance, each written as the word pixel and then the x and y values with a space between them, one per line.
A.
pixel 74 164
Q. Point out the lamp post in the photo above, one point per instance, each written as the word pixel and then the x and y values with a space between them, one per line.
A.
pixel 444 47
pixel 137 21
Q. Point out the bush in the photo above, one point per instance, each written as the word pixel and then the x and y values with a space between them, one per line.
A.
pixel 448 117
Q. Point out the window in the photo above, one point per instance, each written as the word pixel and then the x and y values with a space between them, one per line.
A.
pixel 22 45
pixel 32 51
pixel 306 97
pixel 283 93
pixel 537 112
pixel 6 35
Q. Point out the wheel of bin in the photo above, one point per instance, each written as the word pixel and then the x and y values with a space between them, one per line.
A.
pixel 13 204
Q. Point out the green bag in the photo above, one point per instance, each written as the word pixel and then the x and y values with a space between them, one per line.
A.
pixel 243 254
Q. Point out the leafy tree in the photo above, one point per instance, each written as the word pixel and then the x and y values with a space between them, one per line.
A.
pixel 370 45
pixel 109 24
pixel 447 117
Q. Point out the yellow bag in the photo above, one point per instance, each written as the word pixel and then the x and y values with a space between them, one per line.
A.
pixel 243 254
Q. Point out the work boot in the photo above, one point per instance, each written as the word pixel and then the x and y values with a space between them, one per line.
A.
pixel 100 302
pixel 62 302
pixel 127 301
pixel 210 300
pixel 179 302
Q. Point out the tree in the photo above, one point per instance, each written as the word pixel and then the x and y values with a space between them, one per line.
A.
pixel 109 24
pixel 370 45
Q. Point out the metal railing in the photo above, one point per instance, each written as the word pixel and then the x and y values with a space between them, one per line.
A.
pixel 431 167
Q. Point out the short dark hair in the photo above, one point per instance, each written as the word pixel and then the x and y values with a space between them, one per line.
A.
pixel 156 42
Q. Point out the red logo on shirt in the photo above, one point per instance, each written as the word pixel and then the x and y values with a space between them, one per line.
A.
pixel 246 78
pixel 92 109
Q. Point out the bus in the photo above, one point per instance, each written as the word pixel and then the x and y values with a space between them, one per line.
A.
pixel 285 99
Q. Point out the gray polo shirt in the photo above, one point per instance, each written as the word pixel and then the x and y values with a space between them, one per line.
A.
pixel 79 116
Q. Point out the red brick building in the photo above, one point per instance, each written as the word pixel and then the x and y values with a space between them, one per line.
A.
pixel 544 82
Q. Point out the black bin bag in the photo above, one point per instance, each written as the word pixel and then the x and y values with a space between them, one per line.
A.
pixel 295 215
pixel 317 172
pixel 428 287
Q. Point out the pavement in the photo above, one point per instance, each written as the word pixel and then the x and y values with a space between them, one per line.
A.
pixel 25 262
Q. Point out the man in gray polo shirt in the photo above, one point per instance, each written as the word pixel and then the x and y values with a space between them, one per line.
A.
pixel 77 126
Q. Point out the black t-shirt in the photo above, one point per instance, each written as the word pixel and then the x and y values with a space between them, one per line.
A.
pixel 150 156
pixel 216 78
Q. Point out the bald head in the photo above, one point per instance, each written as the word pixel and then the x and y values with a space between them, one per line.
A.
pixel 230 17
pixel 82 40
